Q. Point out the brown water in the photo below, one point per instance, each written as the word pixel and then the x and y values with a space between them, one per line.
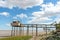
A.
pixel 5 33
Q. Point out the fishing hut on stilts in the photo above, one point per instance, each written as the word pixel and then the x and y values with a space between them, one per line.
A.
pixel 18 28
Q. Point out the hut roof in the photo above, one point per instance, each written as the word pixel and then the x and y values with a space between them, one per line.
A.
pixel 15 23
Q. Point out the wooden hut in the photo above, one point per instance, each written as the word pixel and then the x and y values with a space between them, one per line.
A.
pixel 15 23
pixel 15 26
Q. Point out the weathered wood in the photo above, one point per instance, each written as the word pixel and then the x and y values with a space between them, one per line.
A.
pixel 32 30
pixel 36 31
pixel 27 30
pixel 12 31
pixel 20 26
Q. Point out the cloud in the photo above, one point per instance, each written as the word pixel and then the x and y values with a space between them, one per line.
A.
pixel 48 10
pixel 20 3
pixel 38 14
pixel 8 24
pixel 15 17
pixel 57 20
pixel 4 14
pixel 2 3
pixel 21 16
pixel 51 10
pixel 37 18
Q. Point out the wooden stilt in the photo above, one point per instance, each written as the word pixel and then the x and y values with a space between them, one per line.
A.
pixel 32 30
pixel 27 30
pixel 16 31
pixel 12 31
pixel 23 31
pixel 46 30
pixel 36 30
pixel 20 31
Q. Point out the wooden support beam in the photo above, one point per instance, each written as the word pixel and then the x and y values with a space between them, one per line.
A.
pixel 27 30
pixel 20 31
pixel 32 30
pixel 12 31
pixel 16 31
pixel 46 30
pixel 23 31
pixel 36 30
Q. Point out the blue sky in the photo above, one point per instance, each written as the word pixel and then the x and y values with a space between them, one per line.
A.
pixel 28 11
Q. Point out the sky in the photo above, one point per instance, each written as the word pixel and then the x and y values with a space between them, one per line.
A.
pixel 28 12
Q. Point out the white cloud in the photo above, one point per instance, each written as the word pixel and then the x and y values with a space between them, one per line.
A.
pixel 21 16
pixel 37 17
pixel 8 24
pixel 2 3
pixel 51 8
pixel 38 14
pixel 15 17
pixel 39 20
pixel 57 20
pixel 48 10
pixel 20 3
pixel 4 14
